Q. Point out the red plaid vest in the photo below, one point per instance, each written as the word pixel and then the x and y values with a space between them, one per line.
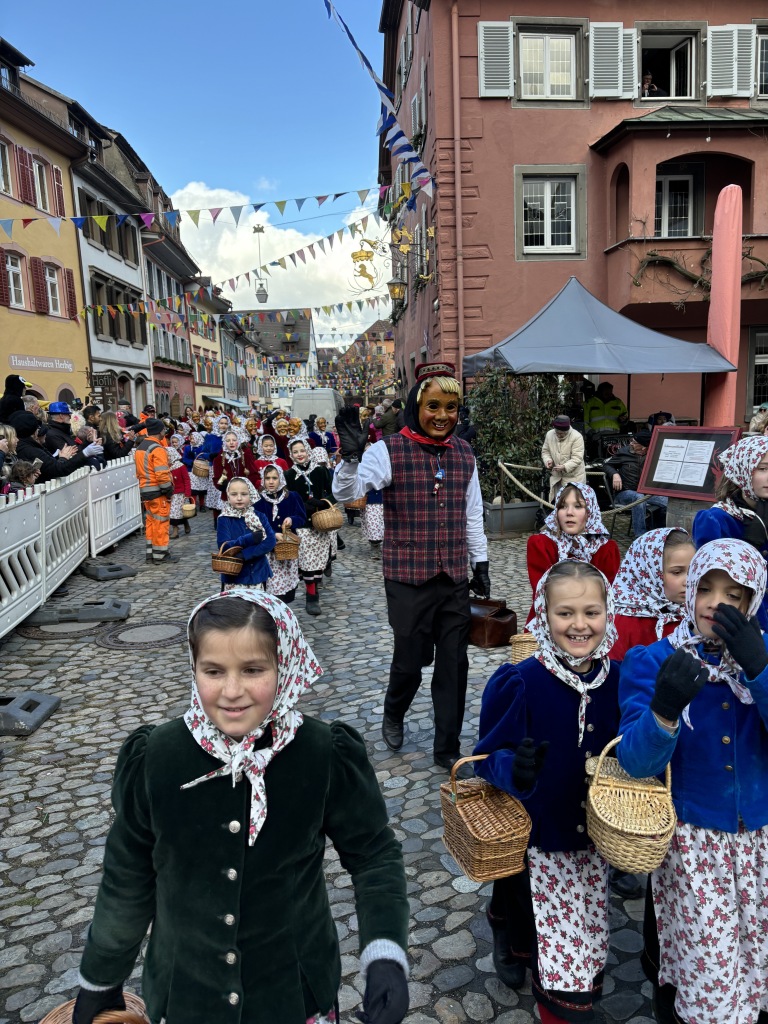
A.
pixel 425 533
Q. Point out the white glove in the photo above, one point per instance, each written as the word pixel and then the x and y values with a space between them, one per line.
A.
pixel 93 449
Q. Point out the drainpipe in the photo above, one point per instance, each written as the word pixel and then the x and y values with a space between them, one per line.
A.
pixel 457 184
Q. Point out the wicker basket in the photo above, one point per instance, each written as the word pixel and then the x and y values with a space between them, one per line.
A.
pixel 189 510
pixel 134 1013
pixel 201 468
pixel 486 830
pixel 227 562
pixel 630 821
pixel 287 546
pixel 522 645
pixel 357 503
pixel 327 519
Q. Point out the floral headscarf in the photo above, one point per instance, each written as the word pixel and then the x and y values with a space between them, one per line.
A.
pixel 227 455
pixel 557 661
pixel 744 565
pixel 638 590
pixel 196 439
pixel 582 546
pixel 319 457
pixel 274 497
pixel 252 520
pixel 176 441
pixel 174 457
pixel 739 463
pixel 301 470
pixel 221 424
pixel 260 448
pixel 297 671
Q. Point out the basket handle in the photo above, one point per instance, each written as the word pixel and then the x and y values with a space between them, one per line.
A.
pixel 608 747
pixel 329 502
pixel 230 551
pixel 456 765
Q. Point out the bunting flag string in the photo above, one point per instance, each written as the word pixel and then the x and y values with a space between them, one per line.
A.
pixel 395 138
pixel 173 217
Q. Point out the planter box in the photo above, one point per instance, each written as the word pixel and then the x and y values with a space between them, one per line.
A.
pixel 519 517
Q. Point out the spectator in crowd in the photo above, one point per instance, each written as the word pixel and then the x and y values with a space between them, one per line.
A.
pixel 86 437
pixel 59 433
pixel 68 458
pixel 32 404
pixel 118 441
pixel 651 91
pixel 465 428
pixel 23 474
pixel 125 416
pixel 563 455
pixel 12 400
pixel 604 411
pixel 92 416
pixel 623 471
pixel 8 441
pixel 387 423
pixel 659 419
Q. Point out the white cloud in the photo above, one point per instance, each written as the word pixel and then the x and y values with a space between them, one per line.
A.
pixel 223 252
pixel 263 184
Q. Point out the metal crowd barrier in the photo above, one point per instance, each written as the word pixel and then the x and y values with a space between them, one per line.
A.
pixel 48 530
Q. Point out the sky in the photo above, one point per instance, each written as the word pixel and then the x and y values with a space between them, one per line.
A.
pixel 229 104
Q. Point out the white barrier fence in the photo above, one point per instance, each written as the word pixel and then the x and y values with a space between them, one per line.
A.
pixel 48 530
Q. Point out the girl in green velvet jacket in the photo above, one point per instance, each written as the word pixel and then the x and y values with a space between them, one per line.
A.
pixel 218 843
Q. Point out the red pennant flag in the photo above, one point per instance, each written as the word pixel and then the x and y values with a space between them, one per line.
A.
pixel 26 221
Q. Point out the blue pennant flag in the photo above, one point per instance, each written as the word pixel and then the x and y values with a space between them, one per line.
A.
pixel 78 222
pixel 7 226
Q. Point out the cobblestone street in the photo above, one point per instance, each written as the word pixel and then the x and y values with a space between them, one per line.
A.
pixel 55 785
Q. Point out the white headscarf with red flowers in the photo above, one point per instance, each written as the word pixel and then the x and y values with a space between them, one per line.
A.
pixel 638 590
pixel 581 546
pixel 739 463
pixel 745 565
pixel 297 670
pixel 558 661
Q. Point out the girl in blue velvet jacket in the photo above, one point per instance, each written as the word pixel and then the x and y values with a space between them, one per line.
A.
pixel 698 700
pixel 240 525
pixel 565 698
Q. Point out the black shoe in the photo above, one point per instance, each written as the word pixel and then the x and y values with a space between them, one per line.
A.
pixel 167 557
pixel 328 570
pixel 663 1004
pixel 313 605
pixel 340 543
pixel 509 969
pixel 624 885
pixel 447 762
pixel 392 732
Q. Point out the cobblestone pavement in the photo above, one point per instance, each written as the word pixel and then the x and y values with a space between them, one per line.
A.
pixel 54 786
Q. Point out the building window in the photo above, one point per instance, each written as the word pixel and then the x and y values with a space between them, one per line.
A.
pixel 14 266
pixel 674 206
pixel 41 186
pixel 548 214
pixel 757 382
pixel 672 54
pixel 52 288
pixel 547 66
pixel 5 169
pixel 762 66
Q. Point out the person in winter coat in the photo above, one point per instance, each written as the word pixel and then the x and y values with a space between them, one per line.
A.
pixel 12 400
pixel 563 455
pixel 155 490
pixel 118 442
pixel 29 448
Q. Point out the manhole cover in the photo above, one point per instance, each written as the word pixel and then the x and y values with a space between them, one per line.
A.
pixel 142 635
pixel 55 630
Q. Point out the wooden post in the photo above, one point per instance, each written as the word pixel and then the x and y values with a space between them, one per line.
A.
pixel 501 492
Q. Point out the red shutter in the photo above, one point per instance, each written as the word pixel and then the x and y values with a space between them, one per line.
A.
pixel 26 176
pixel 5 290
pixel 69 283
pixel 58 193
pixel 39 291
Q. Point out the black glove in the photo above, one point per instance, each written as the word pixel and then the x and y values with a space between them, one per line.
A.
pixel 480 583
pixel 743 638
pixel 386 994
pixel 90 1004
pixel 352 436
pixel 529 760
pixel 678 681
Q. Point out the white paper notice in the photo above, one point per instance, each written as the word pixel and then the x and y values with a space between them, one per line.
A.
pixel 673 449
pixel 667 472
pixel 700 451
pixel 683 462
pixel 693 474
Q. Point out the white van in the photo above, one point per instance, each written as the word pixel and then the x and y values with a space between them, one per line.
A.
pixel 318 401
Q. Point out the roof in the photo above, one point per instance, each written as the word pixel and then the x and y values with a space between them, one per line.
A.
pixel 13 56
pixel 576 333
pixel 675 118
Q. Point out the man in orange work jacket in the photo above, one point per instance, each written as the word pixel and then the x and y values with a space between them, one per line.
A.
pixel 155 488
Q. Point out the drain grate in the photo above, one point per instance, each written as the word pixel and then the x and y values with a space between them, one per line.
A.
pixel 142 635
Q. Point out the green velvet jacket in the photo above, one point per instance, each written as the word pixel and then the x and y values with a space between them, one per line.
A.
pixel 240 933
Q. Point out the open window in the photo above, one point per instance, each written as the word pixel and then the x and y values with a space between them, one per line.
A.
pixel 669 61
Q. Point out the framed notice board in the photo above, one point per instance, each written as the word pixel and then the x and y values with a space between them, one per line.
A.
pixel 682 462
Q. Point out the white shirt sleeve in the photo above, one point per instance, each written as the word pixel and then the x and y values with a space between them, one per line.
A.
pixel 372 473
pixel 477 544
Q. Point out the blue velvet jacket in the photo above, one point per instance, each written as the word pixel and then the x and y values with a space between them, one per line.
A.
pixel 720 767
pixel 713 523
pixel 290 507
pixel 231 530
pixel 212 446
pixel 527 700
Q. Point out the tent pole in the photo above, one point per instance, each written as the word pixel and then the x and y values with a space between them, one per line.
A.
pixel 629 394
pixel 701 399
pixel 501 493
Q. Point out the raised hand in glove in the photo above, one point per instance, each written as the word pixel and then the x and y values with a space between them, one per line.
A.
pixel 480 583
pixel 679 679
pixel 386 994
pixel 352 436
pixel 742 637
pixel 89 1005
pixel 529 760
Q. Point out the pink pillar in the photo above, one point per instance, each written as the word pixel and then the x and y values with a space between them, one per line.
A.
pixel 724 323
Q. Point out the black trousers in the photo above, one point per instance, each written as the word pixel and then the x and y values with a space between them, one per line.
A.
pixel 434 613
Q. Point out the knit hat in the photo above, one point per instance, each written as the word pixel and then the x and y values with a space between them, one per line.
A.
pixel 154 426
pixel 642 437
pixel 562 422
pixel 24 423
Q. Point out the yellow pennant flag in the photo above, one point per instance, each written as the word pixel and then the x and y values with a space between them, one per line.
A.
pixel 280 204
pixel 194 216
pixel 101 220
pixel 406 189
pixel 281 261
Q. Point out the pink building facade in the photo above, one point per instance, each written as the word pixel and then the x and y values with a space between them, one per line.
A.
pixel 556 155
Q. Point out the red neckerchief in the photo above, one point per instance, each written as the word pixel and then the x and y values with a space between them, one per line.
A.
pixel 421 439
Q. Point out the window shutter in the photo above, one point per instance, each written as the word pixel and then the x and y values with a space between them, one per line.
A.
pixel 629 76
pixel 424 240
pixel 606 59
pixel 415 116
pixel 58 193
pixel 423 92
pixel 26 176
pixel 495 40
pixel 730 60
pixel 69 285
pixel 5 289
pixel 409 32
pixel 39 292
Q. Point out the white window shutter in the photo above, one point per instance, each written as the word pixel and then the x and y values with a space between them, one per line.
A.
pixel 424 239
pixel 745 59
pixel 495 63
pixel 606 59
pixel 629 78
pixel 730 60
pixel 423 92
pixel 409 31
pixel 415 115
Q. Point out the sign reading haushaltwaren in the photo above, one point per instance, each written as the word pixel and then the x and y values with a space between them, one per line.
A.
pixel 44 364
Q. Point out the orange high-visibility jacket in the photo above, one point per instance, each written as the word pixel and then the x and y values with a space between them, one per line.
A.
pixel 152 469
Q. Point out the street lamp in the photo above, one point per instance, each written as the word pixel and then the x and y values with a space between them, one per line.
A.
pixel 261 288
pixel 396 287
